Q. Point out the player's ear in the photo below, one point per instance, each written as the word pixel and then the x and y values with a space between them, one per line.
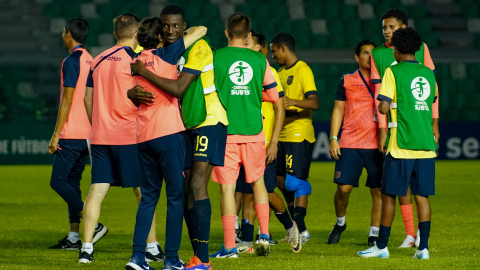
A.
pixel 356 58
pixel 403 26
pixel 226 33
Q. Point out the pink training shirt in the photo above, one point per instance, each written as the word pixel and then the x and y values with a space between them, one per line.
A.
pixel 113 115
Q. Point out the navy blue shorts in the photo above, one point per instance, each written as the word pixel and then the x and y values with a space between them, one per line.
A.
pixel 350 165
pixel 206 144
pixel 398 174
pixel 116 165
pixel 294 158
pixel 270 178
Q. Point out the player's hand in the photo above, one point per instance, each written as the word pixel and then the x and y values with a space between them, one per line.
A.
pixel 137 68
pixel 137 93
pixel 287 103
pixel 271 152
pixel 52 147
pixel 436 133
pixel 382 138
pixel 334 149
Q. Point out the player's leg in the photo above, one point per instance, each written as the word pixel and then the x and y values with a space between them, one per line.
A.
pixel 238 204
pixel 374 165
pixel 406 207
pixel 188 212
pixel 248 222
pixel 293 236
pixel 281 176
pixel 376 194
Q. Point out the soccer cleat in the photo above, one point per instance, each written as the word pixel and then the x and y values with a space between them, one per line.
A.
pixel 85 257
pixel 422 255
pixel 243 247
pixel 294 238
pixel 334 236
pixel 100 232
pixel 408 242
pixel 160 257
pixel 168 265
pixel 417 240
pixel 305 237
pixel 272 242
pixel 238 235
pixel 66 244
pixel 374 252
pixel 263 247
pixel 371 241
pixel 223 253
pixel 134 264
pixel 196 264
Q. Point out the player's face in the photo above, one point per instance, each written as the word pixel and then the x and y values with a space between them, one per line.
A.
pixel 365 55
pixel 278 53
pixel 65 38
pixel 390 25
pixel 252 45
pixel 173 27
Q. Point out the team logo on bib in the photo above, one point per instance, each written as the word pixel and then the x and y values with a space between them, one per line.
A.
pixel 394 63
pixel 420 88
pixel 240 73
pixel 180 64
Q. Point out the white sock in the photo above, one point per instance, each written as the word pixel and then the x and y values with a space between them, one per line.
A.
pixel 87 247
pixel 236 224
pixel 373 231
pixel 73 237
pixel 152 248
pixel 341 221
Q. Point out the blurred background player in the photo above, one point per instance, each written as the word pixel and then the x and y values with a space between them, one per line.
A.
pixel 113 118
pixel 273 116
pixel 410 157
pixel 297 136
pixel 382 57
pixel 206 133
pixel 355 107
pixel 69 141
pixel 240 76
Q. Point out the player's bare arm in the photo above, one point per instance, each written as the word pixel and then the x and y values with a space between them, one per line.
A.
pixel 194 34
pixel 277 128
pixel 88 101
pixel 62 117
pixel 311 103
pixel 336 121
pixel 436 130
pixel 138 95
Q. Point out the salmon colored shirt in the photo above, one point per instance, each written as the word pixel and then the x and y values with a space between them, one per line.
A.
pixel 75 70
pixel 163 116
pixel 113 115
pixel 359 127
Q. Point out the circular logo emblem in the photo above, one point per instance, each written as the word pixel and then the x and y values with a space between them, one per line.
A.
pixel 420 88
pixel 240 73
pixel 180 64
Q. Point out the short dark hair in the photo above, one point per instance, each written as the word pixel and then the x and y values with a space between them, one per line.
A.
pixel 173 10
pixel 407 40
pixel 148 31
pixel 239 25
pixel 78 28
pixel 125 26
pixel 358 47
pixel 396 13
pixel 259 38
pixel 284 39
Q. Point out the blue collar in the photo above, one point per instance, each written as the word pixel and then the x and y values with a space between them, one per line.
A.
pixel 79 46
pixel 411 61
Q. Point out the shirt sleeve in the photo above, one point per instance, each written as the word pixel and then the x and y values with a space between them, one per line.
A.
pixel 71 69
pixel 199 57
pixel 270 92
pixel 387 90
pixel 171 53
pixel 308 82
pixel 427 59
pixel 341 96
pixel 374 75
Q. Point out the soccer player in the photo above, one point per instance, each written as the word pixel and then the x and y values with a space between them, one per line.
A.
pixel 243 79
pixel 273 116
pixel 160 143
pixel 69 140
pixel 113 119
pixel 408 93
pixel 206 133
pixel 297 136
pixel 382 57
pixel 355 107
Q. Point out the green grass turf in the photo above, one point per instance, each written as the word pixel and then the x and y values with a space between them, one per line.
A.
pixel 34 217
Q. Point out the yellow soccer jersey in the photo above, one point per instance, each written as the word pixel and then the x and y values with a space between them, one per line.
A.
pixel 298 83
pixel 389 89
pixel 200 62
pixel 269 113
pixel 138 49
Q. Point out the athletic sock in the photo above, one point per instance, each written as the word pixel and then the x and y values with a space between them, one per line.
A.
pixel 73 237
pixel 237 226
pixel 228 223
pixel 407 215
pixel 247 231
pixel 263 215
pixel 191 225
pixel 285 219
pixel 383 236
pixel 152 248
pixel 87 247
pixel 341 221
pixel 424 234
pixel 203 215
pixel 291 210
pixel 373 231
pixel 300 213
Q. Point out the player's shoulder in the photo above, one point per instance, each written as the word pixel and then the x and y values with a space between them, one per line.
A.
pixel 351 75
pixel 201 44
pixel 74 56
pixel 302 67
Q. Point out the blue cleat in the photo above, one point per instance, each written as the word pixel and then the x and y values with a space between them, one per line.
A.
pixel 222 253
pixel 135 264
pixel 374 252
pixel 168 265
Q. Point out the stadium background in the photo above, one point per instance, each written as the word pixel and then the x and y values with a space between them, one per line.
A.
pixel 326 31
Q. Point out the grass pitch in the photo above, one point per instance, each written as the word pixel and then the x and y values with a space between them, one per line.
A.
pixel 34 217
